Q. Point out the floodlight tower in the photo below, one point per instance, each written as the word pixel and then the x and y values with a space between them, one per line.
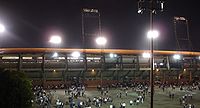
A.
pixel 89 14
pixel 91 25
pixel 181 31
pixel 153 6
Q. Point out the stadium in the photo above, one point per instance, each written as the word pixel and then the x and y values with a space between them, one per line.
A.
pixel 96 66
pixel 75 67
pixel 87 78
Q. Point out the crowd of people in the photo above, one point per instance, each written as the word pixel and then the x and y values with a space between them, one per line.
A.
pixel 41 97
pixel 76 97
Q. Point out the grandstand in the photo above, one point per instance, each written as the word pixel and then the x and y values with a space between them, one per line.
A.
pixel 94 65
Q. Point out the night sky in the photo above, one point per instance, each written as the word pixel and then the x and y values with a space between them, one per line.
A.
pixel 29 23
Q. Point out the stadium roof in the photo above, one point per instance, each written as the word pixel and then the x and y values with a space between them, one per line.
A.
pixel 116 51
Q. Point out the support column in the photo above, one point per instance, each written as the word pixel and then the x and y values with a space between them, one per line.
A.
pixel 85 66
pixel 117 68
pixel 19 63
pixel 66 68
pixel 164 76
pixel 120 66
pixel 190 76
pixel 43 70
pixel 102 67
pixel 138 66
pixel 168 66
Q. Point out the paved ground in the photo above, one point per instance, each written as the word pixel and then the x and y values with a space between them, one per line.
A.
pixel 161 99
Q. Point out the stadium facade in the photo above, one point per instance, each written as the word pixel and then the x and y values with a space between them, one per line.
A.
pixel 94 65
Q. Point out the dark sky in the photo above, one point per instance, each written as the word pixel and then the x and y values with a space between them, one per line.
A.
pixel 29 23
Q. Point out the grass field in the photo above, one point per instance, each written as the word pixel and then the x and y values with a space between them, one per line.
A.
pixel 161 99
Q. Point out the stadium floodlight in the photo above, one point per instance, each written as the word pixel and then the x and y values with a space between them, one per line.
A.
pixel 146 55
pixel 180 18
pixel 140 11
pixel 2 28
pixel 55 39
pixel 101 41
pixel 152 34
pixel 162 5
pixel 76 54
pixel 87 10
pixel 141 7
pixel 93 72
pixel 161 64
pixel 177 57
pixel 112 55
pixel 55 54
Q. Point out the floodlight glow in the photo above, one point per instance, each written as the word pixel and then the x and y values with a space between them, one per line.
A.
pixel 199 57
pixel 161 64
pixel 101 40
pixel 2 28
pixel 146 55
pixel 113 55
pixel 184 70
pixel 162 5
pixel 140 11
pixel 76 54
pixel 177 56
pixel 55 54
pixel 93 72
pixel 152 34
pixel 55 39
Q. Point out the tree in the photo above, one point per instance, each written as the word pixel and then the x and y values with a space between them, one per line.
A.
pixel 15 90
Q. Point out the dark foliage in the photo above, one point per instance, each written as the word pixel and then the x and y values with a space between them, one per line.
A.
pixel 15 90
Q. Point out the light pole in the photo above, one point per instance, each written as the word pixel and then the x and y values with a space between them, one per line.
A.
pixel 101 41
pixel 152 35
pixel 150 5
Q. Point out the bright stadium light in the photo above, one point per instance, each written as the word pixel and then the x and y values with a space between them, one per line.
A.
pixel 55 55
pixel 2 28
pixel 101 41
pixel 76 54
pixel 161 64
pixel 55 39
pixel 112 55
pixel 177 57
pixel 152 34
pixel 146 55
